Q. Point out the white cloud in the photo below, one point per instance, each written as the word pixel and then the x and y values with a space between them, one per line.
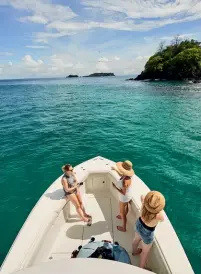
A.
pixel 194 35
pixel 73 27
pixel 43 37
pixel 65 64
pixel 103 59
pixel 30 62
pixel 6 54
pixel 34 19
pixel 77 60
pixel 60 63
pixel 142 58
pixel 69 28
pixel 102 64
pixel 87 25
pixel 43 11
pixel 116 58
pixel 36 47
pixel 78 66
pixel 102 67
pixel 149 9
pixel 5 67
pixel 127 15
pixel 157 12
pixel 41 40
pixel 181 36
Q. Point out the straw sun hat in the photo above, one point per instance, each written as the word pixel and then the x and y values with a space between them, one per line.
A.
pixel 154 202
pixel 126 168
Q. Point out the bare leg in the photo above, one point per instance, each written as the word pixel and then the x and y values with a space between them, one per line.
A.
pixel 81 205
pixel 126 209
pixel 76 203
pixel 123 213
pixel 126 212
pixel 119 216
pixel 136 242
pixel 144 254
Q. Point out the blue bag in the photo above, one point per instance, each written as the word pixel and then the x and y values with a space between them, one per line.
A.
pixel 103 250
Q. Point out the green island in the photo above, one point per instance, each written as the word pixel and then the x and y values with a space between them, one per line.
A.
pixel 179 61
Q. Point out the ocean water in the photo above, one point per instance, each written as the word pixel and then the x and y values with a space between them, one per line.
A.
pixel 47 123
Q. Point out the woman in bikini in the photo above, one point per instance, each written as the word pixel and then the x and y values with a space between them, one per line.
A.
pixel 70 187
pixel 125 170
pixel 151 214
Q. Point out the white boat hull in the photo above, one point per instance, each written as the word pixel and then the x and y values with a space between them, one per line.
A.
pixel 52 230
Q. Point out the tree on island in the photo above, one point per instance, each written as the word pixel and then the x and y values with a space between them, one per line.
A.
pixel 179 61
pixel 161 46
pixel 101 74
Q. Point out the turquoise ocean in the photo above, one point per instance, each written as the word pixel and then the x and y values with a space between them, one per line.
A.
pixel 46 123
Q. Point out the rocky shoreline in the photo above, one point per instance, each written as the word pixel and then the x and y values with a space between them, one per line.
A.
pixel 193 81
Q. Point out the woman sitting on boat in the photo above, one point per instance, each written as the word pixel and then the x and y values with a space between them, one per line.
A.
pixel 70 187
pixel 152 205
pixel 125 170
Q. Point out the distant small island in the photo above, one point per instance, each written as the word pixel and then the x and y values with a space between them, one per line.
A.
pixel 179 61
pixel 72 76
pixel 100 74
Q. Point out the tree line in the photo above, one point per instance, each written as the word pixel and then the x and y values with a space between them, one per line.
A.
pixel 181 60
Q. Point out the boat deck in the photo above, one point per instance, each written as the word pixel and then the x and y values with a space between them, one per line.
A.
pixel 70 234
pixel 52 230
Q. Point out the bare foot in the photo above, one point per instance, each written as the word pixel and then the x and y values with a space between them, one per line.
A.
pixel 118 217
pixel 88 221
pixel 138 251
pixel 120 228
pixel 85 220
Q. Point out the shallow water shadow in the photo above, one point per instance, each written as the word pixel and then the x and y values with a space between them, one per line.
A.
pixel 95 229
pixel 56 195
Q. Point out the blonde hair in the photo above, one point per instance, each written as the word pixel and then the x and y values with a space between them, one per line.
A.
pixel 153 203
pixel 147 216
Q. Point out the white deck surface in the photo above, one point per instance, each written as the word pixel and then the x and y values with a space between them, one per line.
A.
pixel 73 233
pixel 89 266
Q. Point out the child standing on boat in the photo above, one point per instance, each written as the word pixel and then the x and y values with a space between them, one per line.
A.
pixel 151 213
pixel 125 170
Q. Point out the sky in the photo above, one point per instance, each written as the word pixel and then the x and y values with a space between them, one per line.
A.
pixel 54 38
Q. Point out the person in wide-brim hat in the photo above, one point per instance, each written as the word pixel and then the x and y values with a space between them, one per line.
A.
pixel 125 170
pixel 151 214
pixel 154 202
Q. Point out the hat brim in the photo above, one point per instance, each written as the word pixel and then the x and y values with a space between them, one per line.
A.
pixel 124 171
pixel 159 207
